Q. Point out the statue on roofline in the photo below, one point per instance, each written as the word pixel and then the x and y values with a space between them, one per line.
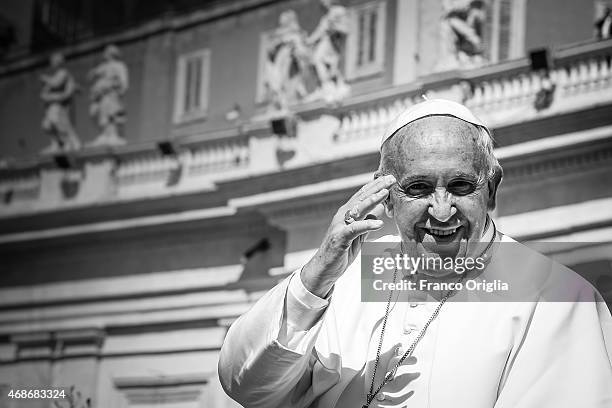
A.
pixel 328 45
pixel 109 84
pixel 462 34
pixel 287 56
pixel 301 67
pixel 603 20
pixel 59 88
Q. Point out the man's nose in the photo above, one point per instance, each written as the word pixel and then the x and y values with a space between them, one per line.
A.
pixel 441 206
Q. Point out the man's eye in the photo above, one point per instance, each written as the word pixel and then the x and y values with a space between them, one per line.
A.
pixel 461 187
pixel 418 189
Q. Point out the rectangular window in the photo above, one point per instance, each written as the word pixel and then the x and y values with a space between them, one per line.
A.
pixel 372 37
pixel 506 34
pixel 366 41
pixel 192 82
pixel 505 11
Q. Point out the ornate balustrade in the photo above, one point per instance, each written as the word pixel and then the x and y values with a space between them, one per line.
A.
pixel 357 125
pixel 154 173
pixel 146 169
pixel 502 94
pixel 218 157
pixel 579 82
pixel 134 174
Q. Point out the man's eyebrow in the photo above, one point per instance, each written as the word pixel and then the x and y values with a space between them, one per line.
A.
pixel 422 177
pixel 410 179
pixel 463 175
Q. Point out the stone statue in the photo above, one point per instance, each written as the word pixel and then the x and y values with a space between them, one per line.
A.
pixel 59 88
pixel 328 44
pixel 461 34
pixel 603 21
pixel 287 62
pixel 109 84
pixel 301 68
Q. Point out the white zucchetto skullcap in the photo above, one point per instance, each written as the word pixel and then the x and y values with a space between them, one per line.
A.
pixel 430 107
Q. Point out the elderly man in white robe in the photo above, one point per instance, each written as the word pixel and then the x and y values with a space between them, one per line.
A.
pixel 312 341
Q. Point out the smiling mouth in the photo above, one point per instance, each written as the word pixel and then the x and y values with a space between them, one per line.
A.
pixel 441 232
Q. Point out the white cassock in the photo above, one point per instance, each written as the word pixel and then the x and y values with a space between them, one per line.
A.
pixel 294 349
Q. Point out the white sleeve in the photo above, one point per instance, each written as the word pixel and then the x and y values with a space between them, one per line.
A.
pixel 302 310
pixel 255 369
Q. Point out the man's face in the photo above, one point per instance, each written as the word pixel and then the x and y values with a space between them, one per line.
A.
pixel 440 200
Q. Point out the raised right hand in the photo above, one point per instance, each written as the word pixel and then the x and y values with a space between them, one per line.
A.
pixel 343 241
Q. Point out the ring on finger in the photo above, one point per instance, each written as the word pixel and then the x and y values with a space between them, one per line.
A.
pixel 349 217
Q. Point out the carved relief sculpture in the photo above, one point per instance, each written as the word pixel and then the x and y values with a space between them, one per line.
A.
pixel 328 45
pixel 304 68
pixel 59 88
pixel 287 63
pixel 461 34
pixel 603 21
pixel 109 84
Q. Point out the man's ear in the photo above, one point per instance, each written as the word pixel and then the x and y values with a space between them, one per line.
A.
pixel 493 185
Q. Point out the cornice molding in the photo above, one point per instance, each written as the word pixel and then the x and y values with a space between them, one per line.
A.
pixel 569 161
pixel 162 388
pixel 57 344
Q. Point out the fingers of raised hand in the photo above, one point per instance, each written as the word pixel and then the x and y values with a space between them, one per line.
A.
pixel 377 212
pixel 358 228
pixel 360 209
pixel 372 187
pixel 350 220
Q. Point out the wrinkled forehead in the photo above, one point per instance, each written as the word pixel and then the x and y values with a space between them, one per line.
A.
pixel 431 107
pixel 434 130
pixel 436 141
